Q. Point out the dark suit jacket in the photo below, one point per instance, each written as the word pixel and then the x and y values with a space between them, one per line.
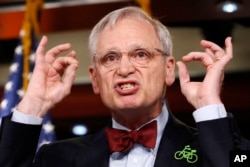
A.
pixel 212 139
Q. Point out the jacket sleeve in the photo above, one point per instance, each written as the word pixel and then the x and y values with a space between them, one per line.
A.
pixel 217 138
pixel 18 143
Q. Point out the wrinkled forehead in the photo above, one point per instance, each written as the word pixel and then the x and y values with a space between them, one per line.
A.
pixel 127 32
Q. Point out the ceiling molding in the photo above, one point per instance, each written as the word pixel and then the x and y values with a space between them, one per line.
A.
pixel 57 16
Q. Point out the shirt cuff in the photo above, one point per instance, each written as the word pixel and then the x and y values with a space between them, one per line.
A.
pixel 210 112
pixel 19 117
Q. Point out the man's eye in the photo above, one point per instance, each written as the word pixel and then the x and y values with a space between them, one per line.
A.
pixel 110 58
pixel 141 54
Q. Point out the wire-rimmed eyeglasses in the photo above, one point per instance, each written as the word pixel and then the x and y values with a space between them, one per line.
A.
pixel 139 57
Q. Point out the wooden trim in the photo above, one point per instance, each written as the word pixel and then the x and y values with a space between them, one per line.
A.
pixel 62 18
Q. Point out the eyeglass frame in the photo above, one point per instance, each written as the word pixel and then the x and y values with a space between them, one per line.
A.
pixel 118 54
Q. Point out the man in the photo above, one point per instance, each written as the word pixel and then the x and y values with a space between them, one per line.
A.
pixel 132 67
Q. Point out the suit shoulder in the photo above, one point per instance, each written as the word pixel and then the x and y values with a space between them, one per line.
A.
pixel 65 152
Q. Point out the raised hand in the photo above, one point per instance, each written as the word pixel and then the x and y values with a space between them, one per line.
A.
pixel 51 80
pixel 214 59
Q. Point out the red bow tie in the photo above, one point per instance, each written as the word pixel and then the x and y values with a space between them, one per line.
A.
pixel 123 141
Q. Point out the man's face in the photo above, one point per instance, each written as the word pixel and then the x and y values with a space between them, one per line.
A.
pixel 128 86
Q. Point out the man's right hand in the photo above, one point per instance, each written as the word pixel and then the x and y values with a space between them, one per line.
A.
pixel 51 80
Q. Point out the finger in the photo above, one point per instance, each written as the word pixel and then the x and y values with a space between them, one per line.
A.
pixel 228 55
pixel 213 49
pixel 210 45
pixel 55 51
pixel 61 63
pixel 69 77
pixel 205 58
pixel 72 54
pixel 229 47
pixel 209 52
pixel 70 74
pixel 41 48
pixel 184 76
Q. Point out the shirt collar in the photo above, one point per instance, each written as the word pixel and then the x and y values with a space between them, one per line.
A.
pixel 161 119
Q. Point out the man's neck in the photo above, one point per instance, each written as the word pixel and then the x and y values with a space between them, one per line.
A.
pixel 133 119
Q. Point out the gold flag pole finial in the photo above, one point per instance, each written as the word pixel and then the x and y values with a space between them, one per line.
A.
pixel 30 25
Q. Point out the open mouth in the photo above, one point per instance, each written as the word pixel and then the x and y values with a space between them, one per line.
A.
pixel 127 86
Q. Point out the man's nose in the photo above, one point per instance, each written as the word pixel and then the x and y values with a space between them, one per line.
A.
pixel 125 67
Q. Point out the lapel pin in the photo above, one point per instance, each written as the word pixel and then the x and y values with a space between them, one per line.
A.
pixel 187 153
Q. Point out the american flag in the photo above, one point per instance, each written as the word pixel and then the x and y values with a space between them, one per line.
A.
pixel 14 89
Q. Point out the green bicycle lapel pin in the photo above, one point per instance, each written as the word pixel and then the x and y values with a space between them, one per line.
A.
pixel 187 153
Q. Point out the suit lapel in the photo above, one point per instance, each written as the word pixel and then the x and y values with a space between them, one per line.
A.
pixel 175 137
pixel 96 153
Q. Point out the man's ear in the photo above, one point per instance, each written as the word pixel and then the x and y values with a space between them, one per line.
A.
pixel 95 86
pixel 170 70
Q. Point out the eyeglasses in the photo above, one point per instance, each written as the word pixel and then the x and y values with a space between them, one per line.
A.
pixel 139 57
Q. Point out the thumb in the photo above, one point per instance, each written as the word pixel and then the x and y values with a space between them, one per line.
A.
pixel 183 73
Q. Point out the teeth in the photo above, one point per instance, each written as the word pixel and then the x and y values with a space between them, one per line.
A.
pixel 127 86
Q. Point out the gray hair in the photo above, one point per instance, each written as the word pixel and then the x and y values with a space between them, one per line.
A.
pixel 134 13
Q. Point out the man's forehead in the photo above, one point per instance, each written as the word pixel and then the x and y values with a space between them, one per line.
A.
pixel 128 33
pixel 127 20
